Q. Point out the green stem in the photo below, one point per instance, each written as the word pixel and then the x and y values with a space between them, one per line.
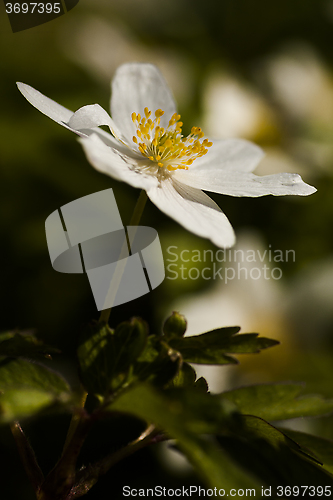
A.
pixel 135 219
pixel 76 417
pixel 28 457
pixel 138 209
pixel 60 480
pixel 88 478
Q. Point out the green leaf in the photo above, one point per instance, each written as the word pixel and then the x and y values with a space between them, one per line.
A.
pixel 6 335
pixel 158 363
pixel 212 347
pixel 278 401
pixel 186 376
pixel 201 384
pixel 317 446
pixel 205 413
pixel 15 373
pixel 14 344
pixel 105 355
pixel 275 459
pixel 260 429
pixel 19 403
pixel 27 388
pixel 130 338
pixel 171 416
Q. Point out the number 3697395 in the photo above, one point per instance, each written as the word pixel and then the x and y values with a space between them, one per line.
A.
pixel 33 7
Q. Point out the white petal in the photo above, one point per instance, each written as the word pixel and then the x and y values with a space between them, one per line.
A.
pixel 244 184
pixel 45 105
pixel 236 155
pixel 115 163
pixel 82 119
pixel 194 210
pixel 92 116
pixel 134 87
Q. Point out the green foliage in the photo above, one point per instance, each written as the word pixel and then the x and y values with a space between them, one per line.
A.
pixel 110 360
pixel 179 418
pixel 106 356
pixel 185 377
pixel 268 454
pixel 319 447
pixel 210 348
pixel 272 457
pixel 278 401
pixel 16 344
pixel 127 370
pixel 27 388
pixel 259 429
pixel 158 364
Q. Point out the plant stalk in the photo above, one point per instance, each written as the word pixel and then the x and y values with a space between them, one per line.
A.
pixel 28 457
pixel 135 219
pixel 88 477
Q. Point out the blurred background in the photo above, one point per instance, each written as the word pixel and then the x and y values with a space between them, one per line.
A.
pixel 258 70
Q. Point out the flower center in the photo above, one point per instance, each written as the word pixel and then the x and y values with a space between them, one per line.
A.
pixel 168 147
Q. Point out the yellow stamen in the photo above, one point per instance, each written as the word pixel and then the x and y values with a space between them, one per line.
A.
pixel 168 148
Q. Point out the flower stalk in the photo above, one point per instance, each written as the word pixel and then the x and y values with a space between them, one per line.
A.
pixel 135 220
pixel 27 456
pixel 61 479
pixel 89 476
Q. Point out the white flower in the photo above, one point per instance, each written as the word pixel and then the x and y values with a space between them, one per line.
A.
pixel 147 150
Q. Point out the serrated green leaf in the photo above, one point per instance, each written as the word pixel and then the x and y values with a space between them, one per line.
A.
pixel 273 458
pixel 321 448
pixel 170 415
pixel 186 376
pixel 105 355
pixel 158 363
pixel 27 388
pixel 260 429
pixel 278 401
pixel 14 344
pixel 93 358
pixel 212 347
pixel 201 384
pixel 205 413
pixel 130 338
